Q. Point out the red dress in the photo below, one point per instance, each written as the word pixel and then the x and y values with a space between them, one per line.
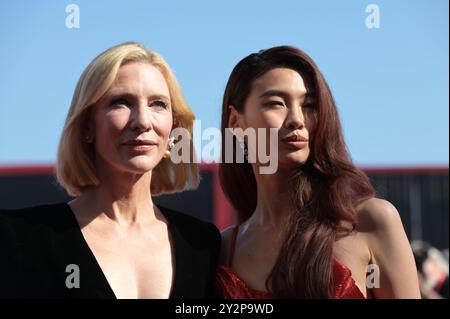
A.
pixel 230 286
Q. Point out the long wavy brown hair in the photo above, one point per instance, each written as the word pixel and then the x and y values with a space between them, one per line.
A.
pixel 325 190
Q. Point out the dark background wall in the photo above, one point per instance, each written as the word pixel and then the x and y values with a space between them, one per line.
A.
pixel 23 190
pixel 420 195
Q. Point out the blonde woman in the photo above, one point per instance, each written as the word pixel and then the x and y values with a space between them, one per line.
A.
pixel 112 241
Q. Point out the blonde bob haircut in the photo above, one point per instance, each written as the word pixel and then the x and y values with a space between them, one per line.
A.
pixel 75 166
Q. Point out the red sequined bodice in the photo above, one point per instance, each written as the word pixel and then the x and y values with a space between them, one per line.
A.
pixel 231 286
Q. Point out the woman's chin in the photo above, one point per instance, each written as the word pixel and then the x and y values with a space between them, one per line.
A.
pixel 141 165
pixel 292 160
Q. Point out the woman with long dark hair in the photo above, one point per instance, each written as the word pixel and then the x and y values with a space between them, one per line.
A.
pixel 312 229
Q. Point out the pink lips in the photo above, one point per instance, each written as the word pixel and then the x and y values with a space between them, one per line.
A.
pixel 140 145
pixel 295 141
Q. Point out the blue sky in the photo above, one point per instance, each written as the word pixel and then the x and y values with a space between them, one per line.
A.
pixel 390 84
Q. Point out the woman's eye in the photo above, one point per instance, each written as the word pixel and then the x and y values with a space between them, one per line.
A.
pixel 160 104
pixel 119 102
pixel 274 104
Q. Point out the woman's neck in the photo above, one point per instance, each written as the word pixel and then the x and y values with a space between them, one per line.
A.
pixel 122 198
pixel 273 207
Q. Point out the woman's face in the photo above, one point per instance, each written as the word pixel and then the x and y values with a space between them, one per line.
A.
pixel 132 122
pixel 280 99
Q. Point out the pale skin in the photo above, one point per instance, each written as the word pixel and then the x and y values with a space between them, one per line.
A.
pixel 126 232
pixel 379 239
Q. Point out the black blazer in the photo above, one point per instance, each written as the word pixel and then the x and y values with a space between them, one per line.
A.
pixel 37 244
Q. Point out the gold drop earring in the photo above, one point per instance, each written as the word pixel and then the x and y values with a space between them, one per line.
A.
pixel 170 145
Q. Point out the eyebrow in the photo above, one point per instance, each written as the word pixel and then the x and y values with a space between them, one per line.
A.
pixel 118 94
pixel 284 94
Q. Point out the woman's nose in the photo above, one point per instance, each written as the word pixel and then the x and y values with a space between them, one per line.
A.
pixel 295 118
pixel 141 118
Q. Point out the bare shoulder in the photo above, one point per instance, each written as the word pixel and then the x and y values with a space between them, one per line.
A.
pixel 226 240
pixel 390 249
pixel 377 215
pixel 380 223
